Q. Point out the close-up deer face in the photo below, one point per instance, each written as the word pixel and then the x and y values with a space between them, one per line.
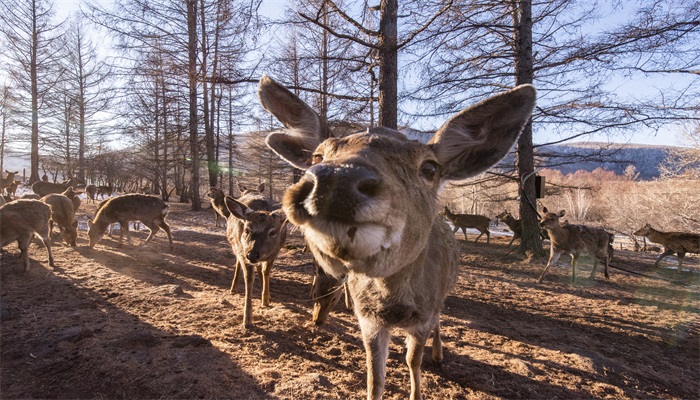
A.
pixel 257 233
pixel 367 201
pixel 361 192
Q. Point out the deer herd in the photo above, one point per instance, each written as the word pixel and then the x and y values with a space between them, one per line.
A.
pixel 367 206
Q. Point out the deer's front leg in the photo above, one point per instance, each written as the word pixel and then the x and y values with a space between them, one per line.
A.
pixel 376 341
pixel 249 276
pixel 415 343
pixel 553 257
pixel 266 268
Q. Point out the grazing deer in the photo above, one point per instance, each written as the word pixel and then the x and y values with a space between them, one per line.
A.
pixel 91 192
pixel 150 210
pixel 216 197
pixel 256 234
pixel 576 240
pixel 367 206
pixel 63 215
pixel 326 291
pixel 464 221
pixel 673 242
pixel 7 181
pixel 21 220
pixel 43 188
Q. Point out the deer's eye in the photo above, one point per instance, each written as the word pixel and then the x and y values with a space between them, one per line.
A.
pixel 272 233
pixel 429 170
pixel 316 158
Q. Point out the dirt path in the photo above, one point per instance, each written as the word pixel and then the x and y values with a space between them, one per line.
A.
pixel 130 322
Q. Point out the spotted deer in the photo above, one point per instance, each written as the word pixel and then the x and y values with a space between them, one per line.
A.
pixel 576 240
pixel 367 206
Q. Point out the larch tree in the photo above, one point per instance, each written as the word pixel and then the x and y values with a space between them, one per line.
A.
pixel 30 46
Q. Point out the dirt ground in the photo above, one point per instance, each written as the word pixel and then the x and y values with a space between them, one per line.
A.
pixel 142 322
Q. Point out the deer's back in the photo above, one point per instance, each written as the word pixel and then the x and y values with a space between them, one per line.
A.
pixel 581 239
pixel 62 208
pixel 676 241
pixel 23 217
pixel 471 220
pixel 43 188
pixel 131 207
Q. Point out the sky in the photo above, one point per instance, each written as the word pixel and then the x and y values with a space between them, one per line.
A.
pixel 275 8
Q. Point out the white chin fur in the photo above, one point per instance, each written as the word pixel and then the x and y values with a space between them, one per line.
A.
pixel 368 239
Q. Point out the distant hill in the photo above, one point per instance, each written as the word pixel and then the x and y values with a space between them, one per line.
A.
pixel 571 157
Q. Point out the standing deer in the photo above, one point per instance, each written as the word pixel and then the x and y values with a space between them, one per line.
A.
pixel 367 206
pixel 576 240
pixel 515 225
pixel 150 210
pixel 91 192
pixel 21 220
pixel 42 188
pixel 673 242
pixel 7 181
pixel 256 234
pixel 103 191
pixel 464 221
pixel 216 197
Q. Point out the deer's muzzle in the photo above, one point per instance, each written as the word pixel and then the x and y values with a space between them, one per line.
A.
pixel 334 192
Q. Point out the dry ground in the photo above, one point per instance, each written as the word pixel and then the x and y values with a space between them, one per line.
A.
pixel 142 322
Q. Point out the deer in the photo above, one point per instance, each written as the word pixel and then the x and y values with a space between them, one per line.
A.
pixel 21 221
pixel 515 225
pixel 103 191
pixel 367 207
pixel 63 215
pixel 7 181
pixel 464 221
pixel 216 197
pixel 256 234
pixel 91 192
pixel 43 188
pixel 73 197
pixel 673 242
pixel 12 189
pixel 576 240
pixel 150 210
pixel 326 292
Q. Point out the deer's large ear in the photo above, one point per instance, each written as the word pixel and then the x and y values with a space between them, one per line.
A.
pixel 236 208
pixel 261 188
pixel 304 127
pixel 480 136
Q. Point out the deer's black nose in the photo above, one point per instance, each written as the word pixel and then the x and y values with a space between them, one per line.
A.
pixel 253 256
pixel 338 190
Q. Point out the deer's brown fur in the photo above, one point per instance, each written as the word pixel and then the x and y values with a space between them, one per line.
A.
pixel 21 220
pixel 576 240
pixel 63 215
pixel 43 188
pixel 5 182
pixel 367 206
pixel 150 210
pixel 256 234
pixel 464 221
pixel 216 197
pixel 91 192
pixel 673 242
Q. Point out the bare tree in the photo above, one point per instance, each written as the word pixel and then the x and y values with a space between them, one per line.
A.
pixel 30 46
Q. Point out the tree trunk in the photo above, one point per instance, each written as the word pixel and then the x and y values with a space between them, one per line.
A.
pixel 530 240
pixel 34 167
pixel 194 139
pixel 388 64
